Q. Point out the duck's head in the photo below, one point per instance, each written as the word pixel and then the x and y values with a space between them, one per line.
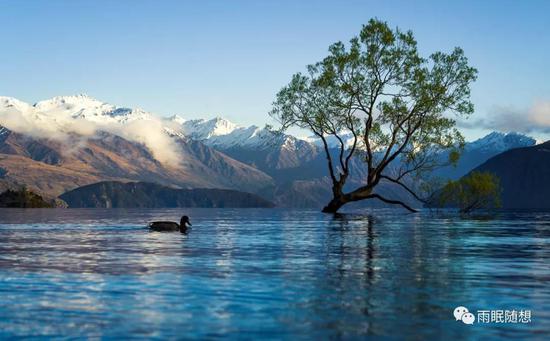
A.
pixel 185 220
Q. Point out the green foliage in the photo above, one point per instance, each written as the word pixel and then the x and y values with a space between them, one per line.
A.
pixel 395 103
pixel 454 156
pixel 477 190
pixel 22 198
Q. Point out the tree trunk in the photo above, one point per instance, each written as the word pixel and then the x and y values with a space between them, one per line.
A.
pixel 340 200
pixel 334 205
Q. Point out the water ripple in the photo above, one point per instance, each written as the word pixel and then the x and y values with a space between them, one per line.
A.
pixel 269 273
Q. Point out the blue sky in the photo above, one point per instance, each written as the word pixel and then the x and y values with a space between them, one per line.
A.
pixel 229 58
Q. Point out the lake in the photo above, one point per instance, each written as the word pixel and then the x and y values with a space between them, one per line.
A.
pixel 271 273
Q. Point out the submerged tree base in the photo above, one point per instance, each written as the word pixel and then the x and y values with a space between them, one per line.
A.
pixel 336 203
pixel 333 206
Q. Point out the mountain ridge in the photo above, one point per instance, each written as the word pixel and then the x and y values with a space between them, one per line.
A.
pixel 217 131
pixel 77 140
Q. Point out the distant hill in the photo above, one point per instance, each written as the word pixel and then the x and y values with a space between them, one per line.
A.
pixel 114 194
pixel 524 176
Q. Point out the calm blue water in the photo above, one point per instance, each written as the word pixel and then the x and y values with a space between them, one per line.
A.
pixel 268 273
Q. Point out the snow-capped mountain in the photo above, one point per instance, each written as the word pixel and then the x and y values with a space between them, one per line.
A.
pixel 86 108
pixel 494 142
pixel 176 119
pixel 76 140
pixel 202 129
pixel 499 142
pixel 477 152
pixel 73 105
pixel 223 134
pixel 62 112
pixel 259 147
pixel 65 114
pixel 332 141
pixel 214 152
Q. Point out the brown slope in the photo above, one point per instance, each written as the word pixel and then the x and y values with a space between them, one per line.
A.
pixel 53 167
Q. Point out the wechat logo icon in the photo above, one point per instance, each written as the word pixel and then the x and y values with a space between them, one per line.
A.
pixel 462 314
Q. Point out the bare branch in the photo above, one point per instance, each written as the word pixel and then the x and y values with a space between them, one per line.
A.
pixel 393 202
pixel 408 189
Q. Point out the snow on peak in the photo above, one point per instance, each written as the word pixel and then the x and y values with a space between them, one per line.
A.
pixel 215 127
pixel 71 113
pixel 70 102
pixel 174 133
pixel 222 126
pixel 177 119
pixel 84 107
pixel 57 116
pixel 497 141
pixel 222 133
pixel 202 129
pixel 3 131
pixel 494 142
pixel 10 103
pixel 332 141
pixel 125 115
pixel 78 107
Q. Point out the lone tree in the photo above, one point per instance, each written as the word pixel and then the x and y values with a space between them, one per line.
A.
pixel 395 105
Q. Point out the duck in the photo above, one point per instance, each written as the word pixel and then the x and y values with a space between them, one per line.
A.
pixel 167 226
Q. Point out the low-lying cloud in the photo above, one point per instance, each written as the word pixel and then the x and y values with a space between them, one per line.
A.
pixel 534 120
pixel 152 134
pixel 75 131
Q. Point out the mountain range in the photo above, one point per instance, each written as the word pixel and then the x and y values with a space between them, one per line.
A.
pixel 66 142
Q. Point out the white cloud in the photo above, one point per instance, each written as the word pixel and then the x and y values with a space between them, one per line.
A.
pixel 150 133
pixel 62 125
pixel 540 114
pixel 532 120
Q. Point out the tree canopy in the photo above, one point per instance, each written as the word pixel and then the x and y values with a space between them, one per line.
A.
pixel 396 105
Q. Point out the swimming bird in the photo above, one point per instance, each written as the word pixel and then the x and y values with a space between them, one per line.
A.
pixel 166 226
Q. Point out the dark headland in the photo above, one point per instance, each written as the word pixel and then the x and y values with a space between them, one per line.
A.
pixel 114 194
